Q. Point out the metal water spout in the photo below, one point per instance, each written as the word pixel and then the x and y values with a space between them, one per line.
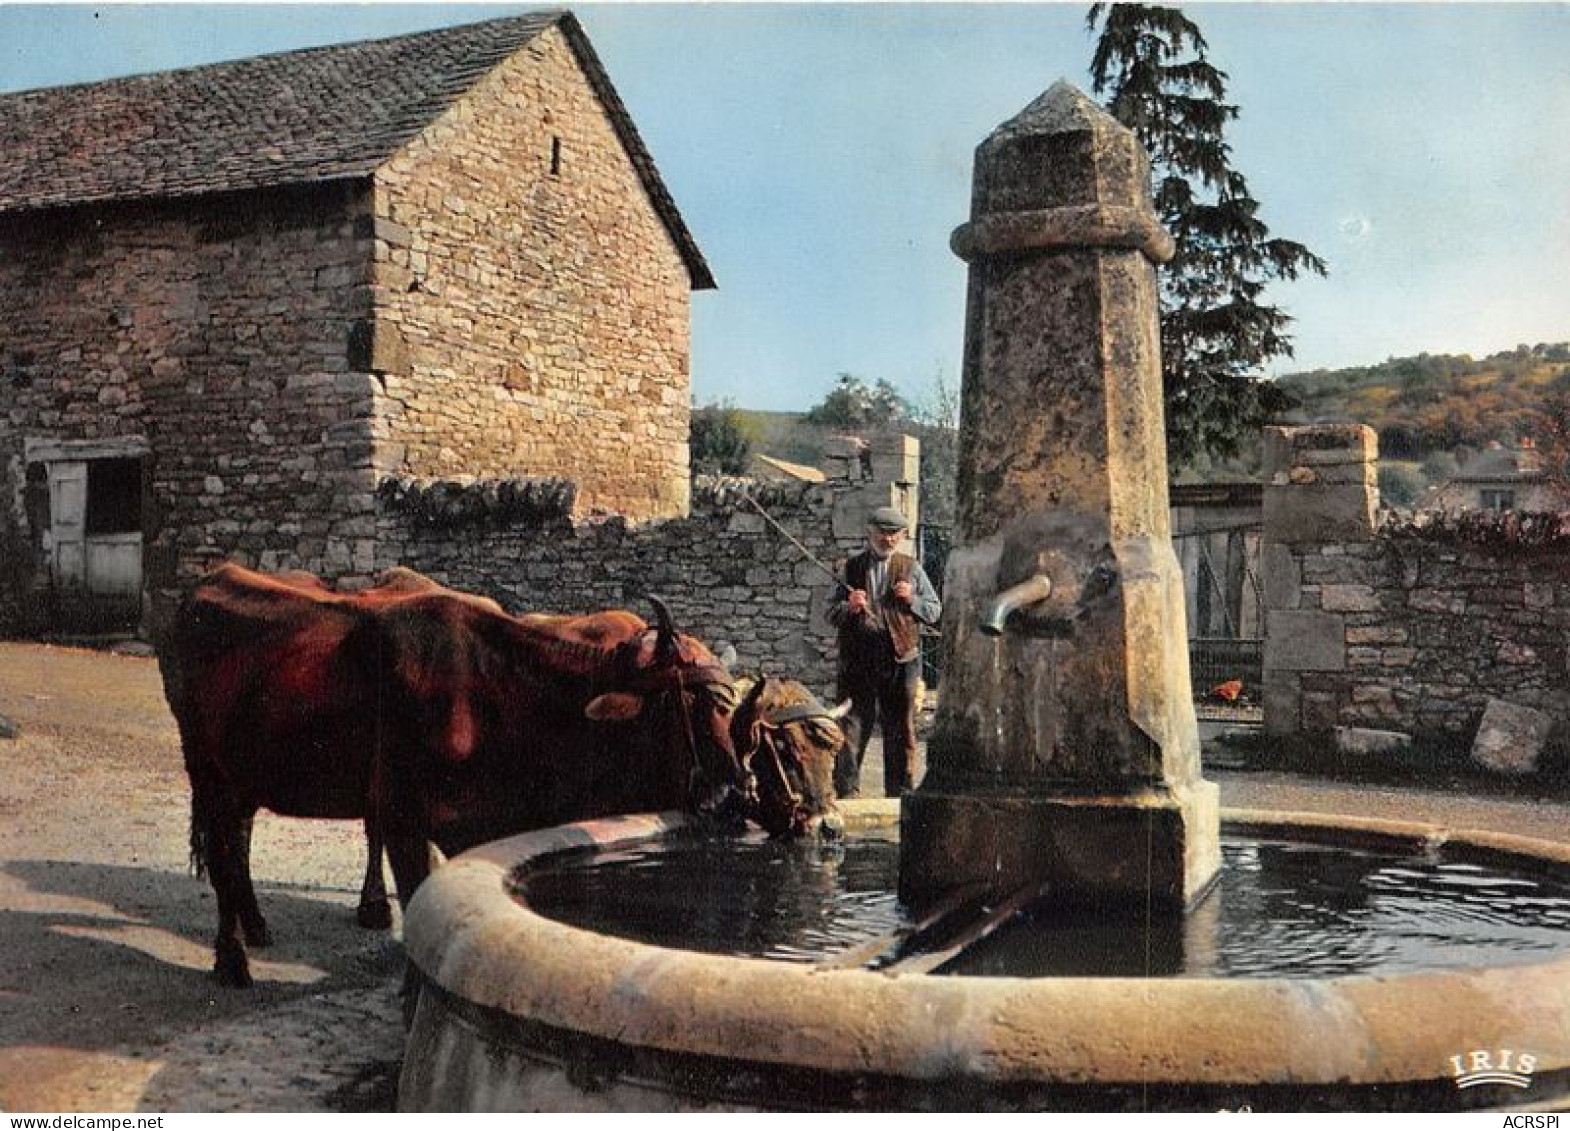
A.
pixel 1031 591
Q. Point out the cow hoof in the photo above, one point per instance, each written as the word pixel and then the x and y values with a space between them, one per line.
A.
pixel 374 916
pixel 232 969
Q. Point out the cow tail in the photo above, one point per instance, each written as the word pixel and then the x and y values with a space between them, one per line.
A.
pixel 198 831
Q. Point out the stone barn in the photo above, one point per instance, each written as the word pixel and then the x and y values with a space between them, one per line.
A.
pixel 235 300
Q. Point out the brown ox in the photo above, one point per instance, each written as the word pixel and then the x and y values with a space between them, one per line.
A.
pixel 786 738
pixel 433 715
pixel 789 741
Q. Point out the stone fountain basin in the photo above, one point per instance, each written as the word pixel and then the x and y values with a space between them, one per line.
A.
pixel 520 1012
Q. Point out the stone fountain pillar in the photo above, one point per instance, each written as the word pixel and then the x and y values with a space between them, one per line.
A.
pixel 1065 750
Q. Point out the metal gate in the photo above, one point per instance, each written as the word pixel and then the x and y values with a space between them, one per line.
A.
pixel 933 543
pixel 1225 606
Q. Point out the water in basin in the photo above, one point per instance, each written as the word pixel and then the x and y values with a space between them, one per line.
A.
pixel 1281 909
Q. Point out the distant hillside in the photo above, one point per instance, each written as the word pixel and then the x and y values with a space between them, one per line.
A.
pixel 1440 402
pixel 1431 411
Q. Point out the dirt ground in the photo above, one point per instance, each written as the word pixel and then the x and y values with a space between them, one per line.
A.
pixel 105 1000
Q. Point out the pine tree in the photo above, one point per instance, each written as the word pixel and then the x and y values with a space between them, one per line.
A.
pixel 1151 70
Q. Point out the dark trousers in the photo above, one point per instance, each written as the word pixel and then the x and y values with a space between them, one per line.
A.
pixel 887 693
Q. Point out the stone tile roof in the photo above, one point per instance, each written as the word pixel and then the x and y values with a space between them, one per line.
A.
pixel 322 114
pixel 1502 465
pixel 798 471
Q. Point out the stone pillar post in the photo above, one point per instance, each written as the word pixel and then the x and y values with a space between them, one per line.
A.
pixel 1065 750
pixel 1320 489
pixel 888 469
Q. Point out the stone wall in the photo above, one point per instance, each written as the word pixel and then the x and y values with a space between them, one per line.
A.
pixel 1409 625
pixel 725 571
pixel 532 308
pixel 215 335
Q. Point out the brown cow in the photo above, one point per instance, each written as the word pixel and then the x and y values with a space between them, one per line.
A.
pixel 374 911
pixel 789 741
pixel 783 735
pixel 431 714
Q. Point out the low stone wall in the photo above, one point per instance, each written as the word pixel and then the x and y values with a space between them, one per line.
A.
pixel 1408 624
pixel 724 575
pixel 727 574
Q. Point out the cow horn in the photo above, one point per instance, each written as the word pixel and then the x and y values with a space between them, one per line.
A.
pixel 665 643
pixel 746 715
pixel 755 692
pixel 841 709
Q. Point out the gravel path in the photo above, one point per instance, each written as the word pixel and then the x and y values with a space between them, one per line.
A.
pixel 105 1000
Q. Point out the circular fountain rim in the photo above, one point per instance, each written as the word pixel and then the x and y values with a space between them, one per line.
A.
pixel 468 935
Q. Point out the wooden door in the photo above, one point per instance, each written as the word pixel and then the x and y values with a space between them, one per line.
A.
pixel 68 523
pixel 114 565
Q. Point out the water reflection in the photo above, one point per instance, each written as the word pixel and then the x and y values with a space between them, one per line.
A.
pixel 1280 910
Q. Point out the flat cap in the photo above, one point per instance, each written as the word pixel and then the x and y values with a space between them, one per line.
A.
pixel 887 518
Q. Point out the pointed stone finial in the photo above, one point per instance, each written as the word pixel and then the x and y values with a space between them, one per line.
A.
pixel 1061 173
pixel 1063 108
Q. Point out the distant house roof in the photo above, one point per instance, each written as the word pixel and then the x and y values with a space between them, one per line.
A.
pixel 1502 465
pixel 301 117
pixel 790 470
pixel 1516 478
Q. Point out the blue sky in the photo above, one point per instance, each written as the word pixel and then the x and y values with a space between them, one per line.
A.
pixel 821 155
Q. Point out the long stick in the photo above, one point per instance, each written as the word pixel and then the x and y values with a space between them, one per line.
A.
pixel 927 961
pixel 864 953
pixel 794 541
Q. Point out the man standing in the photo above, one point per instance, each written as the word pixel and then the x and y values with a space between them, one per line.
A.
pixel 884 598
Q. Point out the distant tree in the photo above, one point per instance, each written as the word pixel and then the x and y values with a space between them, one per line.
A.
pixel 1549 429
pixel 718 442
pixel 1150 66
pixel 1399 439
pixel 854 406
pixel 1439 466
pixel 937 426
pixel 1399 485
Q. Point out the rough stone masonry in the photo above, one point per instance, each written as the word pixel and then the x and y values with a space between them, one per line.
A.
pixel 438 256
pixel 1408 626
pixel 725 571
